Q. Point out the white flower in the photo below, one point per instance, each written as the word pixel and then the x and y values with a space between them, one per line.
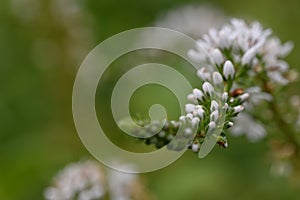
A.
pixel 256 96
pixel 204 74
pixel 195 147
pixel 192 98
pixel 228 70
pixel 182 118
pixel 216 56
pixel 198 94
pixel 217 78
pixel 193 20
pixel 238 109
pixel 247 42
pixel 195 121
pixel 211 126
pixel 188 131
pixel 190 116
pixel 214 115
pixel 245 124
pixel 230 124
pixel 199 112
pixel 214 106
pixel 189 108
pixel 244 97
pixel 225 96
pixel 248 56
pixel 273 49
pixel 207 88
pixel 119 183
pixel 226 106
pixel 84 179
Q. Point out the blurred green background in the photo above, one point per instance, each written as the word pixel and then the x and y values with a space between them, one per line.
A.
pixel 42 44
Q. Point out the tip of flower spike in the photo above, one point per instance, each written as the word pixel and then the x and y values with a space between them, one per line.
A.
pixel 195 147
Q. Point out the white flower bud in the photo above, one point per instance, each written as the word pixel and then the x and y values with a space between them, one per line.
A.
pixel 198 107
pixel 195 147
pixel 225 96
pixel 162 134
pixel 244 97
pixel 217 56
pixel 211 126
pixel 195 121
pixel 203 74
pixel 214 115
pixel 175 124
pixel 217 78
pixel 192 98
pixel 182 118
pixel 188 132
pixel 228 70
pixel 225 144
pixel 190 116
pixel 189 108
pixel 198 94
pixel 207 88
pixel 238 109
pixel 230 124
pixel 196 56
pixel 214 106
pixel 248 56
pixel 200 112
pixel 226 106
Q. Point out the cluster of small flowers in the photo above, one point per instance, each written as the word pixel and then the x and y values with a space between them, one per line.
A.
pixel 87 180
pixel 193 20
pixel 82 180
pixel 204 113
pixel 252 52
pixel 212 105
pixel 233 56
pixel 247 46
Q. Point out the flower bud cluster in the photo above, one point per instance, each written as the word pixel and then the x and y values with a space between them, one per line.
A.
pixel 249 46
pixel 235 60
pixel 214 108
